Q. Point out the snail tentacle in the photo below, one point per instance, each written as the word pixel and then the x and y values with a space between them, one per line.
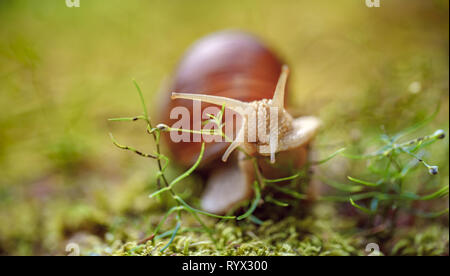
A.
pixel 278 96
pixel 236 143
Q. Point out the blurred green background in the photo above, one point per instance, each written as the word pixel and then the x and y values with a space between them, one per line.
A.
pixel 64 71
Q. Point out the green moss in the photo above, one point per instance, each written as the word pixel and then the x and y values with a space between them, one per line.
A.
pixel 432 241
pixel 314 235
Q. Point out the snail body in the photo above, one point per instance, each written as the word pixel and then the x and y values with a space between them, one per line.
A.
pixel 235 70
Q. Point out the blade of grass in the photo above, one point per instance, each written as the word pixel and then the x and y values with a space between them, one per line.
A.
pixel 175 231
pixel 331 156
pixel 361 196
pixel 275 201
pixel 438 194
pixel 341 186
pixel 363 209
pixel 255 220
pixel 131 149
pixel 282 179
pixel 206 228
pixel 161 223
pixel 200 211
pixel 382 151
pixel 184 175
pixel 287 191
pixel 141 96
pixel 254 202
pixel 140 117
pixel 366 183
pixel 419 124
pixel 433 214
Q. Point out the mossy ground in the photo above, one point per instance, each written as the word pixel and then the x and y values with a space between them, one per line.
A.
pixel 321 233
pixel 316 234
pixel 64 72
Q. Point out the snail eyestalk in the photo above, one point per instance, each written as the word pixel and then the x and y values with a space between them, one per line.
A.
pixel 280 91
pixel 235 144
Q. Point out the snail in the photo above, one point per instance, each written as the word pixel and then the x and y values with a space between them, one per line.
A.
pixel 236 70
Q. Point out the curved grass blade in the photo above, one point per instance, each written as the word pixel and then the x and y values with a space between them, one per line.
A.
pixel 175 231
pixel 188 172
pixel 382 151
pixel 208 230
pixel 254 202
pixel 200 211
pixel 141 96
pixel 342 187
pixel 165 234
pixel 275 201
pixel 433 214
pixel 363 209
pixel 365 183
pixel 331 156
pixel 184 175
pixel 360 196
pixel 140 117
pixel 161 223
pixel 287 191
pixel 255 220
pixel 140 153
pixel 282 179
pixel 419 124
pixel 438 194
